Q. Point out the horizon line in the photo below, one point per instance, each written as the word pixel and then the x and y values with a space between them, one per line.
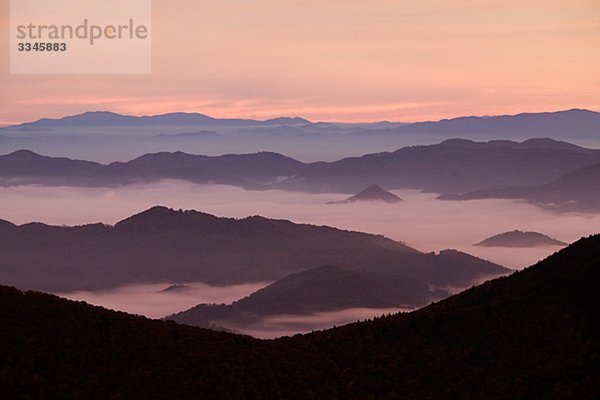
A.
pixel 141 115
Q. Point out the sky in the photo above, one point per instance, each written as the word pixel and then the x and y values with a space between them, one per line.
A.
pixel 338 60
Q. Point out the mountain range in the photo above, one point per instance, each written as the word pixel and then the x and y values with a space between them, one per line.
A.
pixel 552 124
pixel 453 167
pixel 107 136
pixel 577 190
pixel 107 118
pixel 581 121
pixel 164 245
pixel 532 335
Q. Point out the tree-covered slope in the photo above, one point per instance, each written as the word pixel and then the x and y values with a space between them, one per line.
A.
pixel 532 335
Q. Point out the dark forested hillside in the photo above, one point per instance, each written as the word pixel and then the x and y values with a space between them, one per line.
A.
pixel 322 289
pixel 533 335
pixel 164 245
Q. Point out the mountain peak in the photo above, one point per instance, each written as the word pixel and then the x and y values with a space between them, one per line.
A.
pixel 373 193
pixel 161 218
pixel 287 121
pixel 519 238
pixel 23 154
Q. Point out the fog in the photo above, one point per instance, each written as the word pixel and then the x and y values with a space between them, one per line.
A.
pixel 125 144
pixel 307 143
pixel 152 302
pixel 287 325
pixel 420 221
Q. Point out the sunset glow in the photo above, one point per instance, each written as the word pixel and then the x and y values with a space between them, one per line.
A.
pixel 348 60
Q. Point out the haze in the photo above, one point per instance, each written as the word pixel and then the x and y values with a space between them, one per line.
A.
pixel 420 221
pixel 350 60
pixel 152 301
pixel 287 325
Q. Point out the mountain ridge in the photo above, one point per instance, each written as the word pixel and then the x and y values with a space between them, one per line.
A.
pixel 452 167
pixel 109 117
pixel 534 334
pixel 577 190
pixel 214 250
pixel 101 137
pixel 322 289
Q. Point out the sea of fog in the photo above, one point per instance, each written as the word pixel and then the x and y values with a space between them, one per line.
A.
pixel 287 325
pixel 420 221
pixel 153 301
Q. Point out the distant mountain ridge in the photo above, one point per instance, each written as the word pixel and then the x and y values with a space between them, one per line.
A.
pixel 107 136
pixel 451 167
pixel 578 190
pixel 534 124
pixel 586 122
pixel 165 245
pixel 535 143
pixel 107 118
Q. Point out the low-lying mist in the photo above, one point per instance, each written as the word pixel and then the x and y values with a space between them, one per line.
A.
pixel 420 221
pixel 153 302
pixel 287 325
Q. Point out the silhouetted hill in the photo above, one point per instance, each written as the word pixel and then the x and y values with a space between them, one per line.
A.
pixel 259 170
pixel 372 193
pixel 578 190
pixel 536 143
pixel 5 225
pixel 27 167
pixel 533 335
pixel 520 239
pixel 288 121
pixel 164 245
pixel 106 118
pixel 583 122
pixel 322 289
pixel 175 288
pixel 453 167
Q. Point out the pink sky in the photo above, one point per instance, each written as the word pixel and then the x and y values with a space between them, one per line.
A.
pixel 344 60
